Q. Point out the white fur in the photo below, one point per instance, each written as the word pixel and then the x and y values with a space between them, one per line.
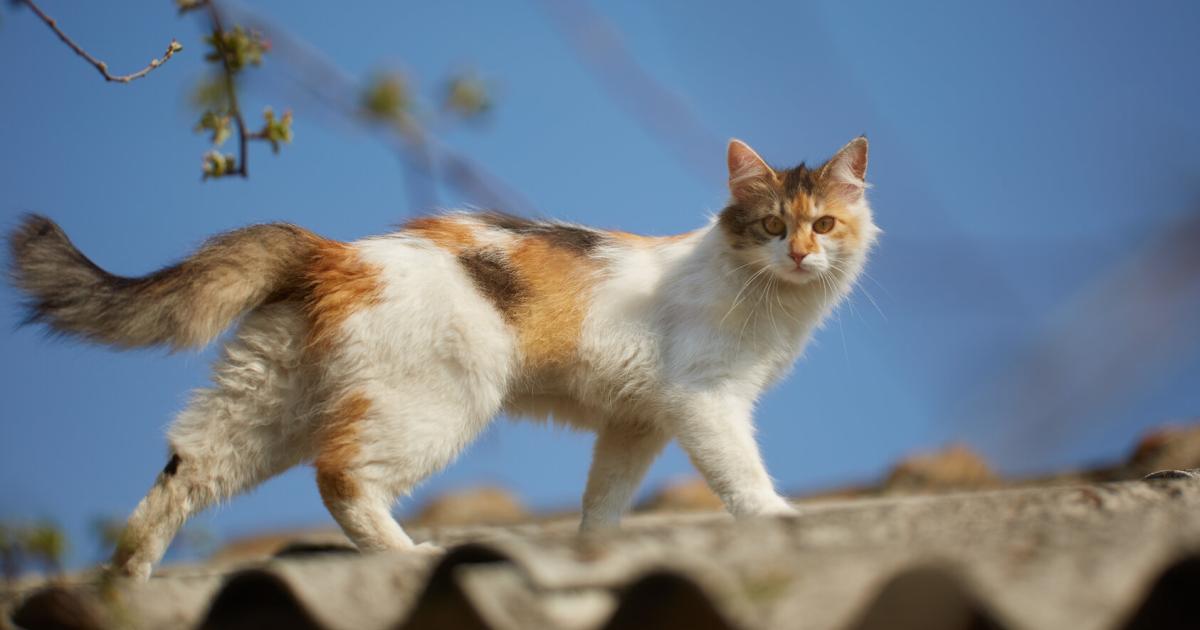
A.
pixel 679 341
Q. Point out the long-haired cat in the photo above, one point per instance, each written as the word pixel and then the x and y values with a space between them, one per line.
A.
pixel 378 361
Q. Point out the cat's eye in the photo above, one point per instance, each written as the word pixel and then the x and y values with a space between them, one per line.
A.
pixel 824 224
pixel 774 225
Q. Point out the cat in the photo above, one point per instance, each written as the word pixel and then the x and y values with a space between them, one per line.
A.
pixel 378 361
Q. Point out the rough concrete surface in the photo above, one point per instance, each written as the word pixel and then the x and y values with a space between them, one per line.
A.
pixel 1088 556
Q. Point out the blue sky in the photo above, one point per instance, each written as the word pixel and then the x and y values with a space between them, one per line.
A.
pixel 1020 152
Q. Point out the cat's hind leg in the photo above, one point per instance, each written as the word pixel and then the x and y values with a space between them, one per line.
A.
pixel 378 444
pixel 231 437
pixel 411 376
pixel 358 492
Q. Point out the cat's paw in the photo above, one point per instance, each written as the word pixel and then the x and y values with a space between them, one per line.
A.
pixel 139 571
pixel 593 525
pixel 768 507
pixel 784 509
pixel 427 549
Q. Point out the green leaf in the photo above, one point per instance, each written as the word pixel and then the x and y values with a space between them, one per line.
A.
pixel 108 531
pixel 386 99
pixel 237 48
pixel 467 96
pixel 276 130
pixel 218 125
pixel 210 93
pixel 48 542
pixel 217 164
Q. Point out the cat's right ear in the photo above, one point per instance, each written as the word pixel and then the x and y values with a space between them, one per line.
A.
pixel 747 171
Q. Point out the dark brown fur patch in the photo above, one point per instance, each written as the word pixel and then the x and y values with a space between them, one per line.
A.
pixel 172 466
pixel 799 180
pixel 505 221
pixel 495 279
pixel 742 223
pixel 579 239
pixel 339 446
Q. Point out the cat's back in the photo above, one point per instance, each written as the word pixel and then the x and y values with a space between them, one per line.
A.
pixel 470 288
pixel 545 296
pixel 429 278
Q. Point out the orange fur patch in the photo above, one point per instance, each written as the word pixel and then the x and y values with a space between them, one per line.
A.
pixel 340 283
pixel 799 209
pixel 801 206
pixel 550 319
pixel 448 233
pixel 849 225
pixel 339 445
pixel 639 240
pixel 803 212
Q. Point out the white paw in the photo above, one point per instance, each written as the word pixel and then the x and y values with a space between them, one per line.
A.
pixel 595 525
pixel 784 509
pixel 773 506
pixel 427 549
pixel 139 571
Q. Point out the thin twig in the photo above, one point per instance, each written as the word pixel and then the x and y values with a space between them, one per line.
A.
pixel 658 109
pixel 172 48
pixel 230 88
pixel 420 178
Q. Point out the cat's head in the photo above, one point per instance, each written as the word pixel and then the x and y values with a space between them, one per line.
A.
pixel 801 222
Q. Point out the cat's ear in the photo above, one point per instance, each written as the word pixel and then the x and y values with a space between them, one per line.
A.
pixel 747 171
pixel 844 175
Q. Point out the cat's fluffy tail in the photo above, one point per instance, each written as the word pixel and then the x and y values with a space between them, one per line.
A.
pixel 181 306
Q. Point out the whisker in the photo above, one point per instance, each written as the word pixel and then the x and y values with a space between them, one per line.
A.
pixel 877 283
pixel 737 299
pixel 873 302
pixel 738 267
pixel 866 292
pixel 842 331
pixel 754 313
pixel 771 282
pixel 786 312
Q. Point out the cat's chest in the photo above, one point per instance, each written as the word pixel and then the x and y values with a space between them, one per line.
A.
pixel 750 352
pixel 680 345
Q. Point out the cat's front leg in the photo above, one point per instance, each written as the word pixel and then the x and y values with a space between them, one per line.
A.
pixel 717 432
pixel 623 453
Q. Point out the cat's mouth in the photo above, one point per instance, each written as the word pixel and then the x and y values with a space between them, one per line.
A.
pixel 802 269
pixel 798 275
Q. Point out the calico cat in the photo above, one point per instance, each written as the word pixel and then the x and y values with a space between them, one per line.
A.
pixel 378 361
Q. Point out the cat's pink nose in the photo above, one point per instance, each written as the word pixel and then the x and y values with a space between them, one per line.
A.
pixel 798 257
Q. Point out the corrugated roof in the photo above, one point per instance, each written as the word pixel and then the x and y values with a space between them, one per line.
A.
pixel 1093 556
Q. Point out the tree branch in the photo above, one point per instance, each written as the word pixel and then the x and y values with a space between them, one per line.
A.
pixel 230 89
pixel 172 48
pixel 659 110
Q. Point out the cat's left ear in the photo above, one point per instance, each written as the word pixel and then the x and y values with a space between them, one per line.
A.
pixel 844 175
pixel 747 171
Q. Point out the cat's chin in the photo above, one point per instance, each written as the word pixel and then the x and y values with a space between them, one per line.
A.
pixel 796 276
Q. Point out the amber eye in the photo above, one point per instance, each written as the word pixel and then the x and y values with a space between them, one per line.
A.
pixel 774 225
pixel 824 224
